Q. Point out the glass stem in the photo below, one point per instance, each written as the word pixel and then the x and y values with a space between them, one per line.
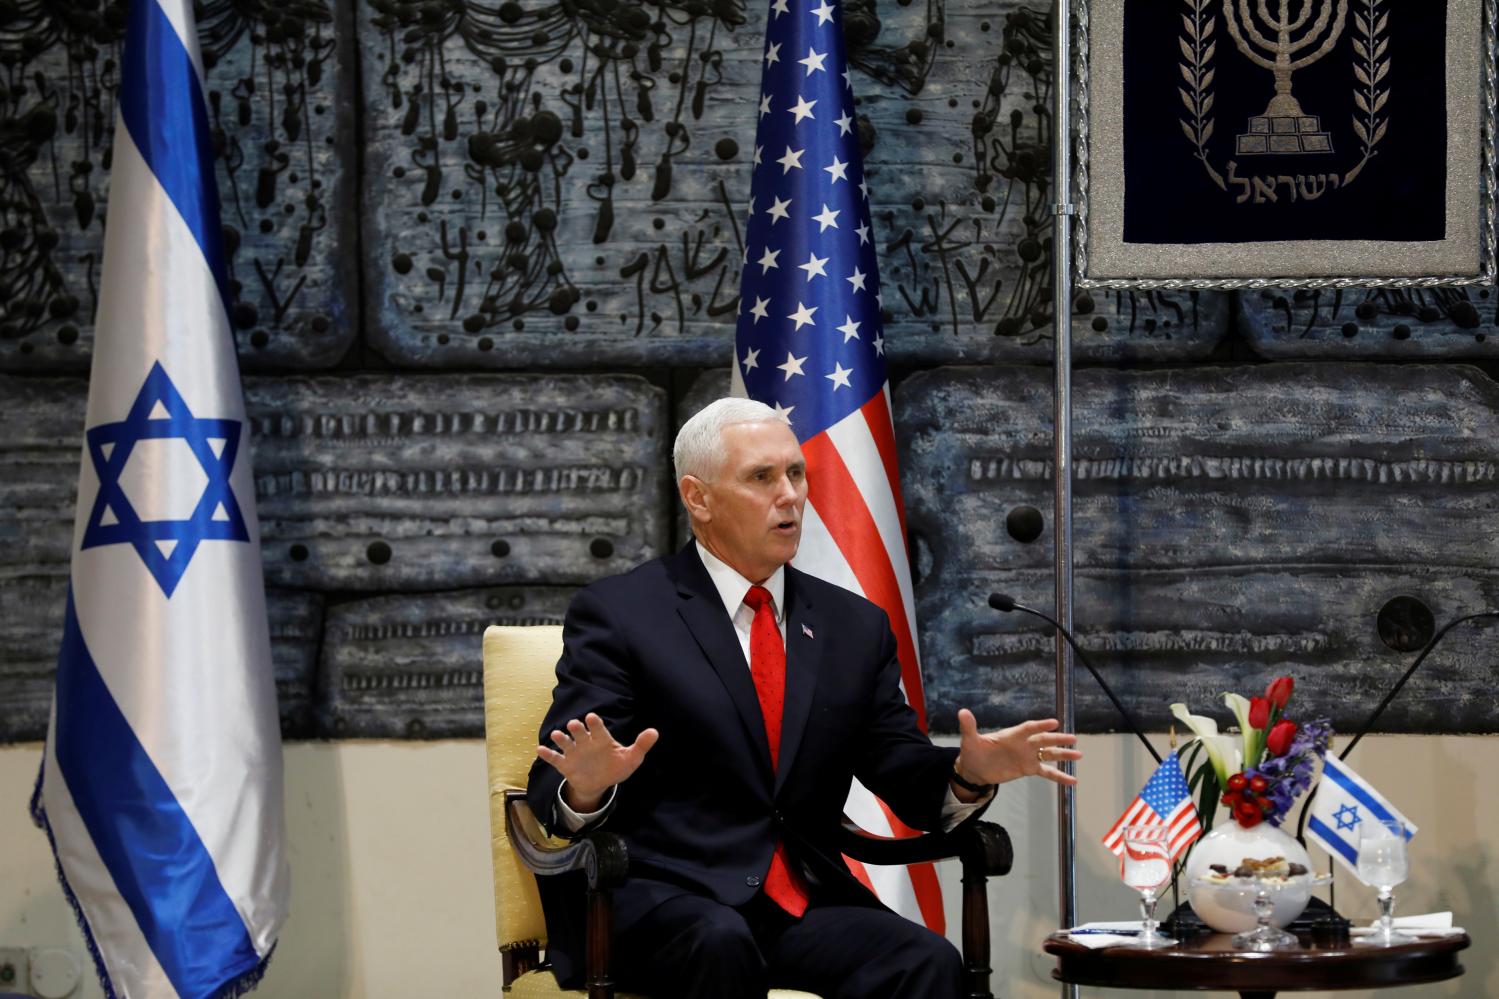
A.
pixel 1387 911
pixel 1147 912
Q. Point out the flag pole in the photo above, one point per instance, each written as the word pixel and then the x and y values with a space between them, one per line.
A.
pixel 1061 261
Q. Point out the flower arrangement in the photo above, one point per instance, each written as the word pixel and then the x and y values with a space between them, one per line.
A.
pixel 1258 775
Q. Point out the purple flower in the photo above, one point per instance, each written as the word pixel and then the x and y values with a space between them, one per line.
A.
pixel 1291 774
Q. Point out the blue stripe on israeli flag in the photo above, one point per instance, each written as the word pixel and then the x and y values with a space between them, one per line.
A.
pixel 162 106
pixel 1344 802
pixel 135 821
pixel 161 783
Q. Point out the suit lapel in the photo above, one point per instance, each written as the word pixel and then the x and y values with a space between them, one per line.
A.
pixel 701 608
pixel 804 654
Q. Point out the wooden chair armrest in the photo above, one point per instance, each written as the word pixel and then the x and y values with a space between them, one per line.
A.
pixel 599 854
pixel 983 846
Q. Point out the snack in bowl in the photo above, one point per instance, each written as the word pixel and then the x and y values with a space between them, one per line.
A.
pixel 1269 869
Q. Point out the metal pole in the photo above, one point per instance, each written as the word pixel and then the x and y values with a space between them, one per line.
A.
pixel 1062 462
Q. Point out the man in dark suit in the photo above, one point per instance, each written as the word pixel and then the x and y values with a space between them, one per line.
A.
pixel 712 707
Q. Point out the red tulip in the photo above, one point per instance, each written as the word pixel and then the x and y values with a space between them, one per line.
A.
pixel 1259 713
pixel 1279 739
pixel 1258 784
pixel 1247 814
pixel 1279 692
pixel 1237 782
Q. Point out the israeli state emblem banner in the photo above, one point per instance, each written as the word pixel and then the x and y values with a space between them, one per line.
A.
pixel 1231 141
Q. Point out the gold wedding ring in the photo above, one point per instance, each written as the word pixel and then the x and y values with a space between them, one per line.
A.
pixel 1041 755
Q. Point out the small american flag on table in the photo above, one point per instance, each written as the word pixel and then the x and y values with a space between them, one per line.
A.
pixel 1164 800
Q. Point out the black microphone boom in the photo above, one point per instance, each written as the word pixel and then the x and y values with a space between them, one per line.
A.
pixel 1005 603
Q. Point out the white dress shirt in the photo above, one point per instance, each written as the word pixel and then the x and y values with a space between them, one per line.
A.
pixel 732 589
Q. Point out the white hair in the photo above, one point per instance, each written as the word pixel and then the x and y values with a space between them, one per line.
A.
pixel 699 447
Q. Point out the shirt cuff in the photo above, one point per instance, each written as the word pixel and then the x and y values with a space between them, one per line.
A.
pixel 574 821
pixel 955 811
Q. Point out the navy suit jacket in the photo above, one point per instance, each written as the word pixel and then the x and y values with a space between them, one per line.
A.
pixel 655 648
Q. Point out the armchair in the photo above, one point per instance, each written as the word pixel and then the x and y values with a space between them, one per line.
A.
pixel 519 664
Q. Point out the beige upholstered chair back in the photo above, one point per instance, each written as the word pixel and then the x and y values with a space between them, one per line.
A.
pixel 519 673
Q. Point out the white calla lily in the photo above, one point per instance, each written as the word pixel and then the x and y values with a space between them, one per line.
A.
pixel 1221 750
pixel 1239 705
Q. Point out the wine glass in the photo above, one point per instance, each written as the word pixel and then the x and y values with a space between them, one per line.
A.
pixel 1145 867
pixel 1383 863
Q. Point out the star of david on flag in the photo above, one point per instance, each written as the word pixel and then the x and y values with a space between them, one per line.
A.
pixel 1164 801
pixel 1344 802
pixel 809 341
pixel 161 779
pixel 166 546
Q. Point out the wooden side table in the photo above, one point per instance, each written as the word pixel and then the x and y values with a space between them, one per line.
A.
pixel 1211 963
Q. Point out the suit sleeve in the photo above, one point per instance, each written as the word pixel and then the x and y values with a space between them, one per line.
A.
pixel 592 675
pixel 895 759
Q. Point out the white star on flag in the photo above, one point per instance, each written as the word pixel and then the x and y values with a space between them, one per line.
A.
pixel 824 13
pixel 793 365
pixel 759 310
pixel 793 158
pixel 857 279
pixel 768 260
pixel 814 266
pixel 849 329
pixel 778 211
pixel 814 61
pixel 778 8
pixel 839 377
pixel 838 170
pixel 802 316
pixel 843 123
pixel 773 53
pixel 765 104
pixel 827 218
pixel 863 232
pixel 802 109
pixel 751 359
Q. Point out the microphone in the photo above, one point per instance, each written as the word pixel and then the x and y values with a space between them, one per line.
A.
pixel 1379 710
pixel 1004 603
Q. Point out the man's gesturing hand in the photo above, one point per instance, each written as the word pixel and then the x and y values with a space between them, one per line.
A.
pixel 592 761
pixel 1017 751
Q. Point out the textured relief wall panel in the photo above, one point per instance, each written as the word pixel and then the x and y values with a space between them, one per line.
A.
pixel 1229 524
pixel 280 90
pixel 393 482
pixel 412 666
pixel 1352 323
pixel 560 184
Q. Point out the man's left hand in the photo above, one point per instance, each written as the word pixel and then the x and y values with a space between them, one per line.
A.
pixel 1025 750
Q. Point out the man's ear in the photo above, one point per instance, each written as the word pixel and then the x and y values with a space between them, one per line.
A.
pixel 694 493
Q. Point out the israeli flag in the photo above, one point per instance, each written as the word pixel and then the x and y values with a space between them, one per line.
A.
pixel 1344 802
pixel 161 784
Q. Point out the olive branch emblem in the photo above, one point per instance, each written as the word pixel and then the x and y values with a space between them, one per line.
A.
pixel 1369 69
pixel 1197 47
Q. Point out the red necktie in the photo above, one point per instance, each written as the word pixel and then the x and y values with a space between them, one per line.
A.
pixel 768 668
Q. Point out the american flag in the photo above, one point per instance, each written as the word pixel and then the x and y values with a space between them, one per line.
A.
pixel 809 342
pixel 1164 800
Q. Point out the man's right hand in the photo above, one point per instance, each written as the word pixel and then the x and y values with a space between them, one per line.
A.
pixel 592 760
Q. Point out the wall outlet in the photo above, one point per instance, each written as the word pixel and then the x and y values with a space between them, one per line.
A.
pixel 15 971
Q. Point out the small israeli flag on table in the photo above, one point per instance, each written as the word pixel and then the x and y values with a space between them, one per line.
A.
pixel 161 783
pixel 1344 802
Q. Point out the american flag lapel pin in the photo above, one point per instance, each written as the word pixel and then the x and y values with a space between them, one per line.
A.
pixel 807 631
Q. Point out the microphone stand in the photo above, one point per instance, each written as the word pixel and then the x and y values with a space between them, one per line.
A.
pixel 1374 717
pixel 1005 603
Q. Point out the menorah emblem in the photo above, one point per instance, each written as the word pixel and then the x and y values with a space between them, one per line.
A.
pixel 1279 43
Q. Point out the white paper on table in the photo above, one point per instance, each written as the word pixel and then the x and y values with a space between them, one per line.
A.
pixel 1429 924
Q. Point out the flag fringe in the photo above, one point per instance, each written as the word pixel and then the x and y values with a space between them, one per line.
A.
pixel 240 985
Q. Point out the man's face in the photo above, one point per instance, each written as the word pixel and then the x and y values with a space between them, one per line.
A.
pixel 750 515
